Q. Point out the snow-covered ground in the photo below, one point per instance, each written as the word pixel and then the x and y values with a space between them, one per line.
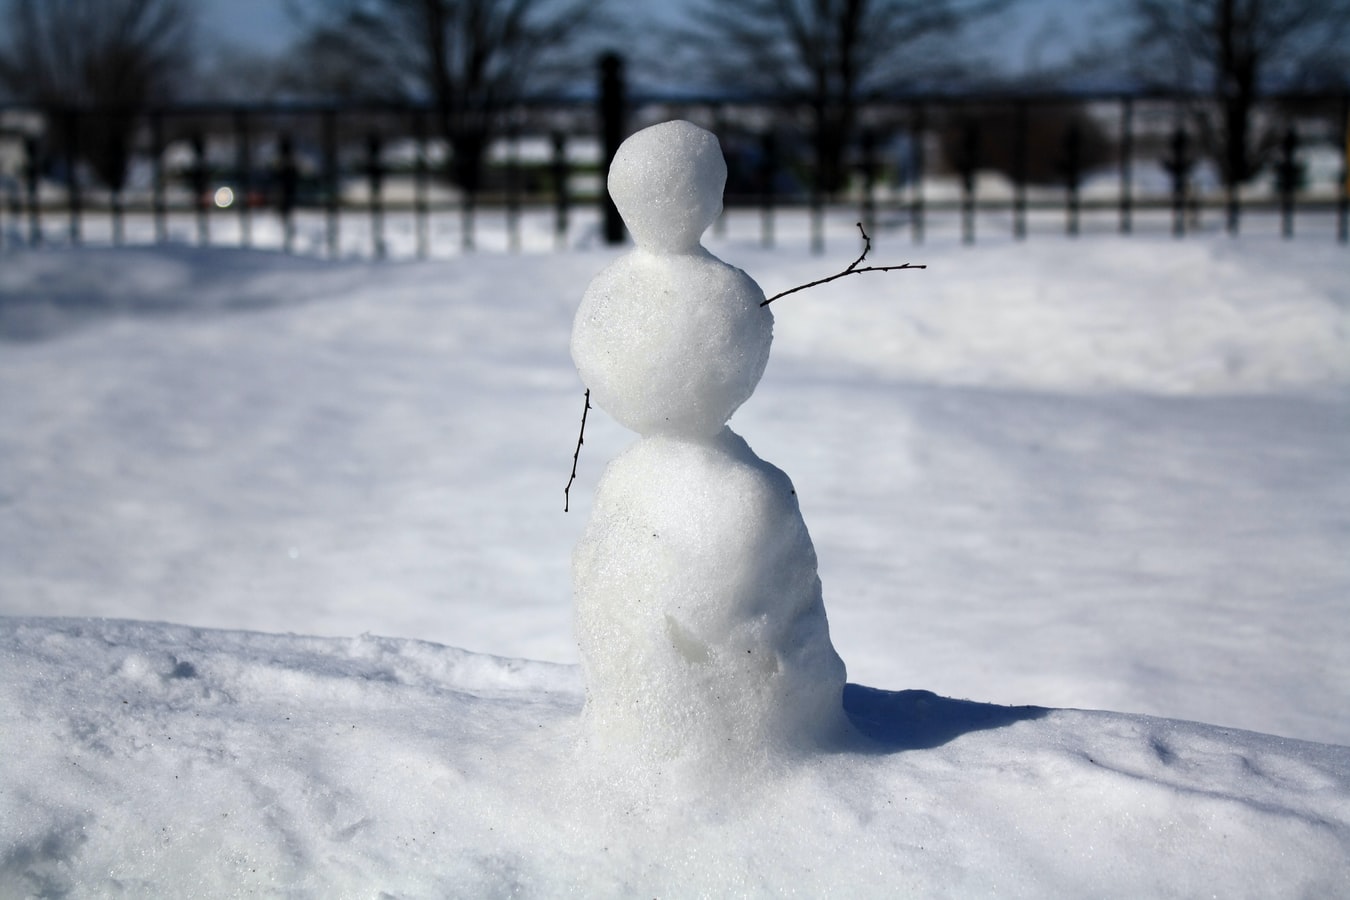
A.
pixel 1105 474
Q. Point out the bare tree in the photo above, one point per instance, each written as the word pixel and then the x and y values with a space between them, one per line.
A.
pixel 471 59
pixel 1235 50
pixel 830 56
pixel 109 57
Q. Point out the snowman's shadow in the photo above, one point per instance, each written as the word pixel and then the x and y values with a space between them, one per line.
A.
pixel 894 721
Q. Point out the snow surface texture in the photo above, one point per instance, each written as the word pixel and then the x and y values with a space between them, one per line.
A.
pixel 158 761
pixel 1104 473
pixel 699 617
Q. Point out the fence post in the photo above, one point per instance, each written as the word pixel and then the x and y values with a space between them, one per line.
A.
pixel 1343 202
pixel 244 163
pixel 75 199
pixel 1020 172
pixel 513 184
pixel 1287 172
pixel 768 175
pixel 116 207
pixel 198 178
pixel 158 201
pixel 869 173
pixel 612 103
pixel 561 201
pixel 375 180
pixel 816 200
pixel 30 177
pixel 1073 159
pixel 420 182
pixel 1126 164
pixel 1178 165
pixel 967 165
pixel 916 208
pixel 288 177
pixel 11 231
pixel 330 180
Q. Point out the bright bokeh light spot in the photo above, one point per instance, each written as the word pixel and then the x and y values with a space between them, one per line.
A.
pixel 224 197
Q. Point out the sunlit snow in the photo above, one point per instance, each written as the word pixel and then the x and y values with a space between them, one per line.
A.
pixel 1106 474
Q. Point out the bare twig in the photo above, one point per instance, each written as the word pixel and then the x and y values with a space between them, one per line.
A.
pixel 851 270
pixel 581 439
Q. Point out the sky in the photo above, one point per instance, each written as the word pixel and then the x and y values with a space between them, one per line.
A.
pixel 1030 31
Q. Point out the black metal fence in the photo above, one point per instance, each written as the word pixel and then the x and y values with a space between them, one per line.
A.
pixel 334 181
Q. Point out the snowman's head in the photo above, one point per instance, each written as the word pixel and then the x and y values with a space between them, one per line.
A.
pixel 667 181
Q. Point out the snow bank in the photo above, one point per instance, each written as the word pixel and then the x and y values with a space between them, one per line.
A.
pixel 1104 473
pixel 158 761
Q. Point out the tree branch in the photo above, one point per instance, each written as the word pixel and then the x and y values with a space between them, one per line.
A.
pixel 851 270
pixel 581 439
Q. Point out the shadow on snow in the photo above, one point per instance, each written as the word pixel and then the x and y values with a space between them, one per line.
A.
pixel 920 720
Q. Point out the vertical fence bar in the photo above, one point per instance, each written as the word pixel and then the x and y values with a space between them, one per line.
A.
pixel 768 177
pixel 158 200
pixel 513 186
pixel 330 180
pixel 561 200
pixel 288 184
pixel 31 171
pixel 868 211
pixel 1343 201
pixel 816 198
pixel 113 122
pixel 244 165
pixel 1232 201
pixel 612 109
pixel 916 206
pixel 1020 171
pixel 375 188
pixel 200 186
pixel 12 232
pixel 117 213
pixel 1178 165
pixel 74 199
pixel 1287 173
pixel 420 210
pixel 468 212
pixel 968 165
pixel 1073 173
pixel 1126 165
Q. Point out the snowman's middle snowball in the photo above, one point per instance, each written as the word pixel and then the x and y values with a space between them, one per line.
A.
pixel 672 344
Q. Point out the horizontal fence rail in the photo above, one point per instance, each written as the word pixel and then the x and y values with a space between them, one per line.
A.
pixel 377 180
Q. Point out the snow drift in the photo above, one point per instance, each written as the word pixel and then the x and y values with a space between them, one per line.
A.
pixel 155 760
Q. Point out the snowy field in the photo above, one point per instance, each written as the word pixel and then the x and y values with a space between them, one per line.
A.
pixel 1103 474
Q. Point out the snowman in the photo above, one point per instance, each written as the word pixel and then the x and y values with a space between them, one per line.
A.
pixel 699 616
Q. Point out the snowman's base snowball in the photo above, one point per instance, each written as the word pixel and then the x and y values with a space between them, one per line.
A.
pixel 699 614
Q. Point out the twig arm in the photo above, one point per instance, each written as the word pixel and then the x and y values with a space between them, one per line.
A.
pixel 581 439
pixel 851 270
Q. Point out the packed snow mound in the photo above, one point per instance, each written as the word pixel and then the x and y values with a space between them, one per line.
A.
pixel 158 761
pixel 699 612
